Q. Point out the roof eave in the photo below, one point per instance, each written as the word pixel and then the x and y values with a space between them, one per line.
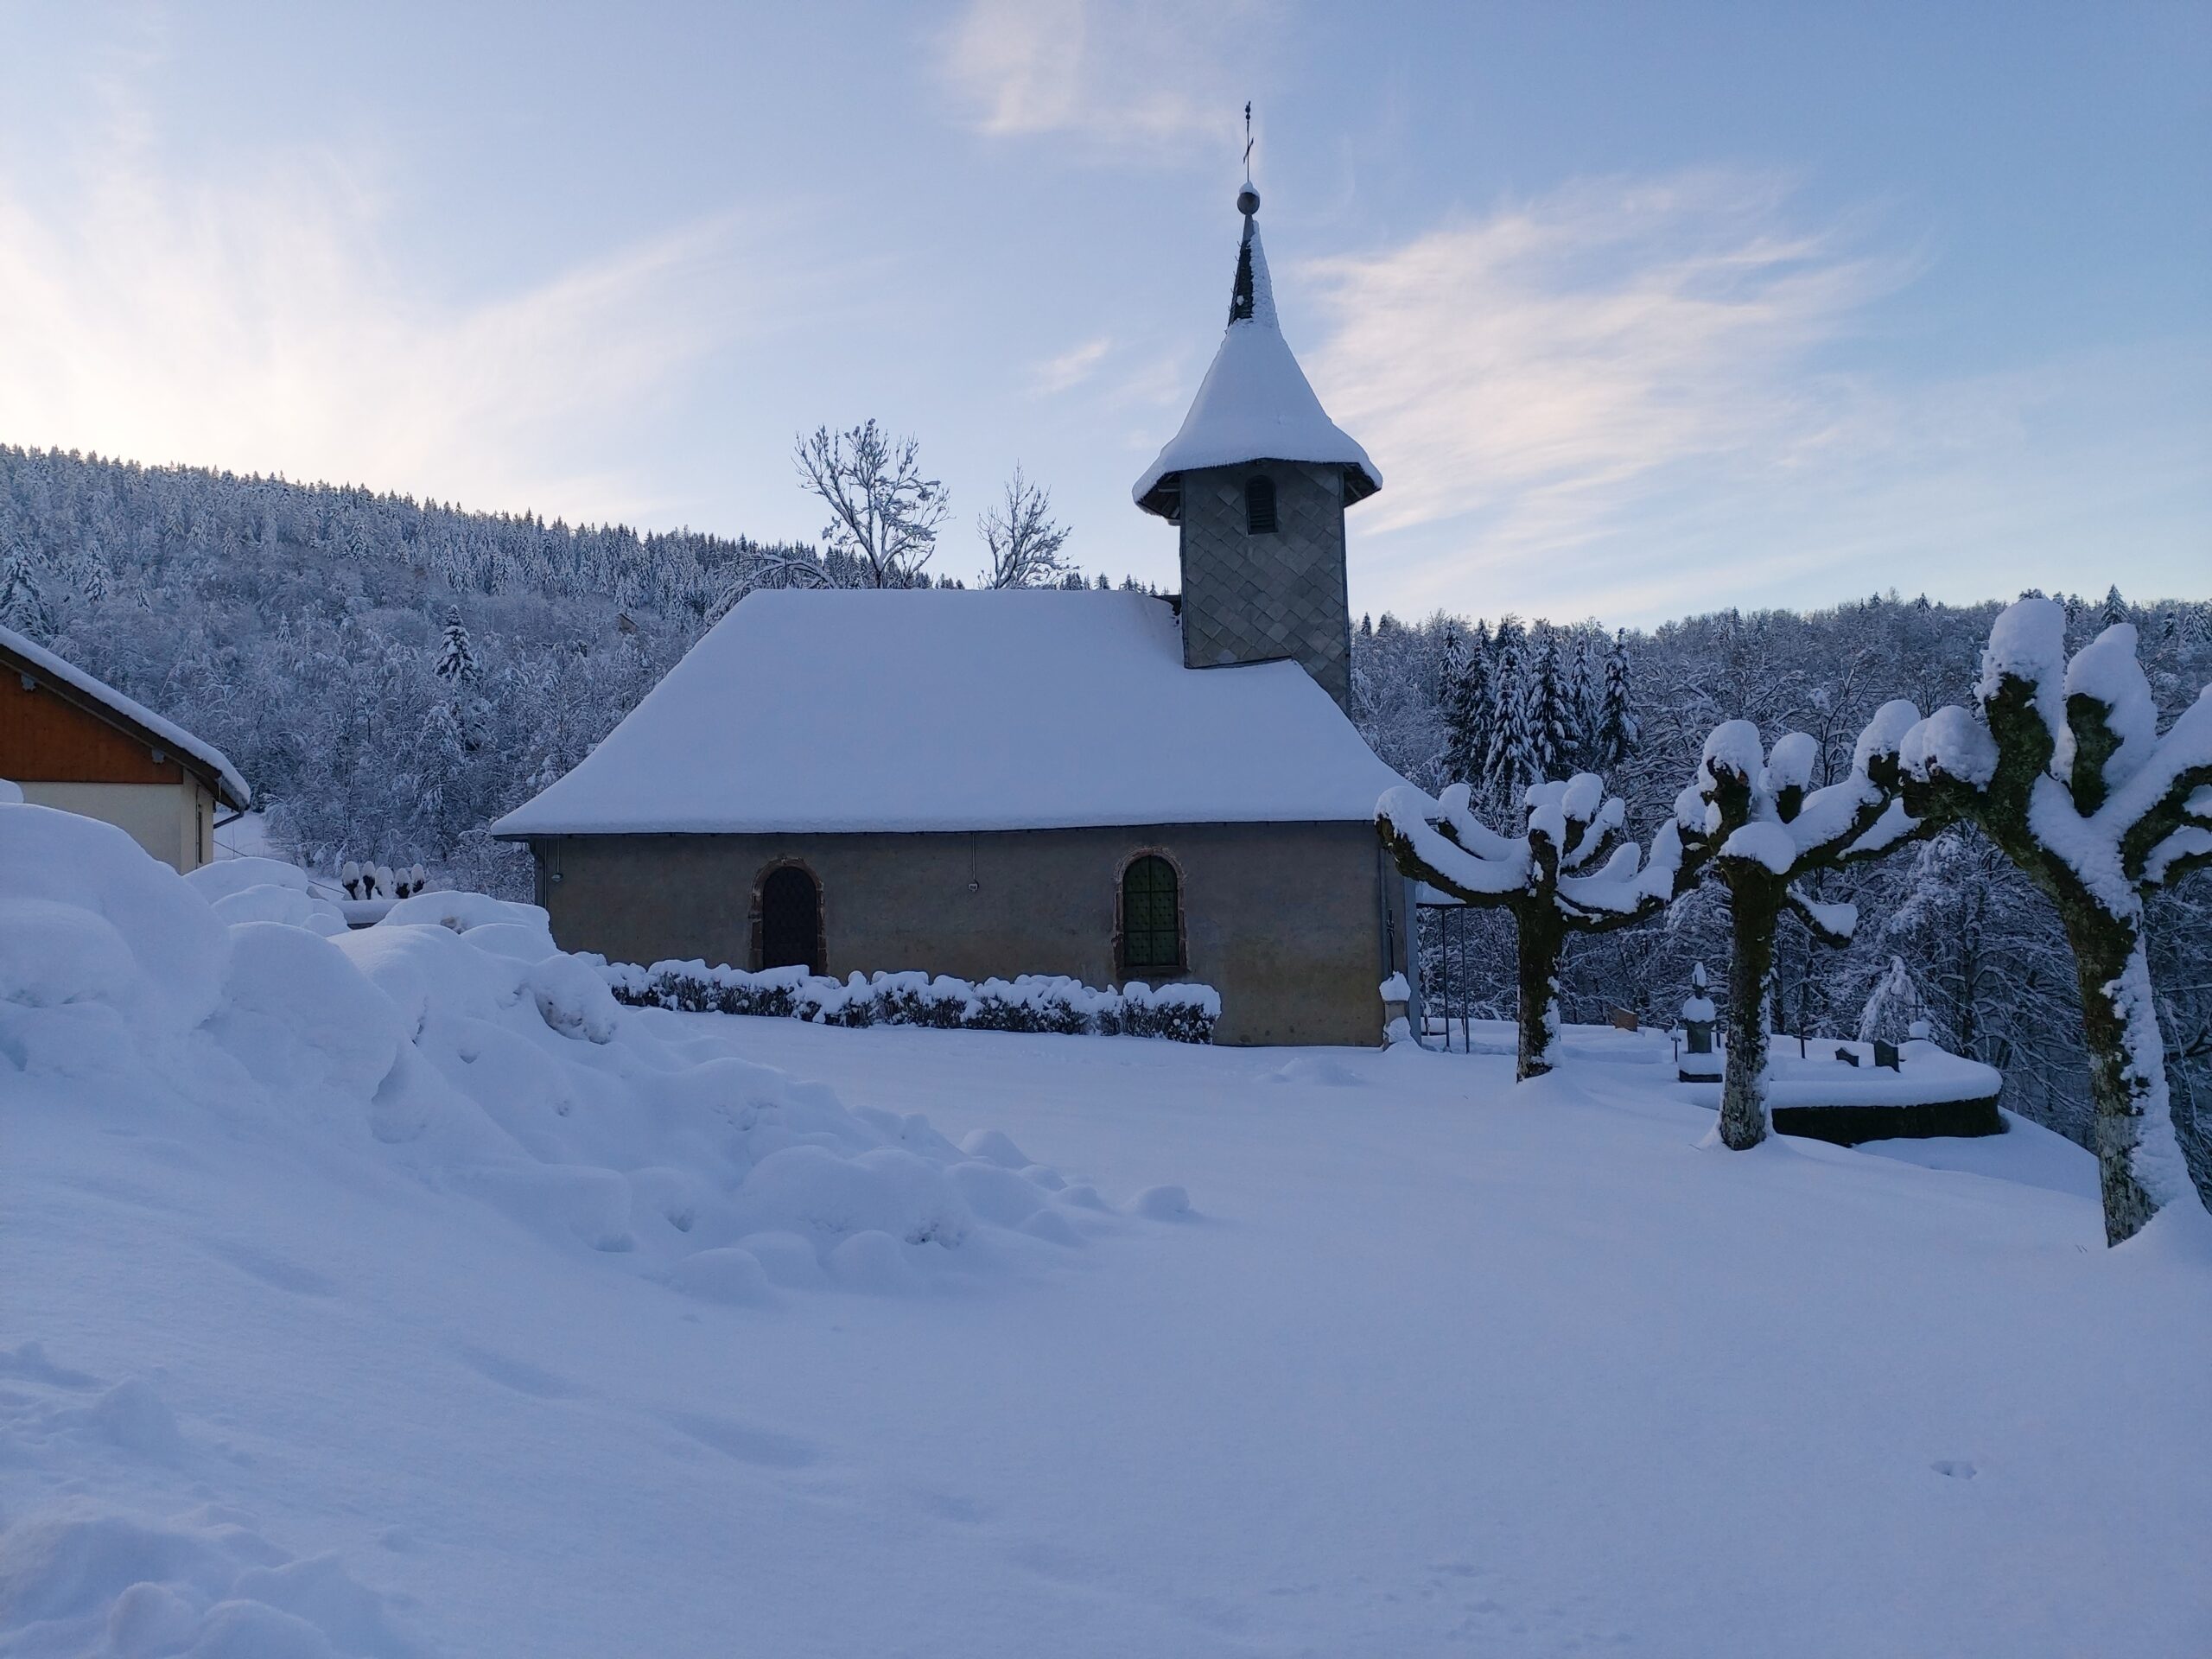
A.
pixel 1165 497
pixel 212 777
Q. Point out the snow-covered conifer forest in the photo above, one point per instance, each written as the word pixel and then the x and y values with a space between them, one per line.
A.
pixel 436 666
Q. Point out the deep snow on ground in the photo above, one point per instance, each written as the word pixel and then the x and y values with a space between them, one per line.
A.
pixel 1436 1365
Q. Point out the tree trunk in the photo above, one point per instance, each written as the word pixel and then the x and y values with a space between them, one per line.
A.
pixel 1542 937
pixel 2140 1159
pixel 1754 909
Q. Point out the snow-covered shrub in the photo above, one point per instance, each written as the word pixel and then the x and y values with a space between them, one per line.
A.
pixel 1181 1013
pixel 572 999
pixel 1031 1002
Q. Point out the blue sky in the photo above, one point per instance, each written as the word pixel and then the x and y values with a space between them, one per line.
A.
pixel 1641 309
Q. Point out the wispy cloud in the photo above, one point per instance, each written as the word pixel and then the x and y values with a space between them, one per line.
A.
pixel 259 324
pixel 1646 397
pixel 1073 367
pixel 1121 73
pixel 1547 366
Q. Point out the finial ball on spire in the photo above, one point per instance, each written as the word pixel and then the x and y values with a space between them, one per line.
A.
pixel 1248 201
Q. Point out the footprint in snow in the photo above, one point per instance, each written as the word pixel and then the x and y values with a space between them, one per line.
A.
pixel 951 1506
pixel 518 1374
pixel 27 1361
pixel 1956 1468
pixel 270 1268
pixel 743 1441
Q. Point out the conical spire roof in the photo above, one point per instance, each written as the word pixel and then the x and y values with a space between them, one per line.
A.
pixel 1254 403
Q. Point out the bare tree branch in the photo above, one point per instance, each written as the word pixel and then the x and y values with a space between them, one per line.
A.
pixel 884 515
pixel 1021 537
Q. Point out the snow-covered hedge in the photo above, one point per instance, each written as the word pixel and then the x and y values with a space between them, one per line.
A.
pixel 1182 1013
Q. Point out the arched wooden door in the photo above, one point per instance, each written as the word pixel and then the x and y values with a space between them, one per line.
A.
pixel 791 919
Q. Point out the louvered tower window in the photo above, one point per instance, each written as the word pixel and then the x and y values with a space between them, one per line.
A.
pixel 1152 918
pixel 1259 506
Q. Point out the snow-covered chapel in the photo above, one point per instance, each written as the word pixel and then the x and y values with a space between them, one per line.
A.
pixel 1110 786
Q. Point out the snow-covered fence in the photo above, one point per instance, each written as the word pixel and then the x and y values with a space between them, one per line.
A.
pixel 1039 1002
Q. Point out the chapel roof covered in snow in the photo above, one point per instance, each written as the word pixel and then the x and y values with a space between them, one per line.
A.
pixel 936 709
pixel 1254 403
pixel 27 657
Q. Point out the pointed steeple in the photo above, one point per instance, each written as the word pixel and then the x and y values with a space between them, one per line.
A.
pixel 1253 299
pixel 1254 403
pixel 1256 483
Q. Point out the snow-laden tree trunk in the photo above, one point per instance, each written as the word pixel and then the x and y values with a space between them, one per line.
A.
pixel 1754 911
pixel 1542 941
pixel 2064 767
pixel 2140 1163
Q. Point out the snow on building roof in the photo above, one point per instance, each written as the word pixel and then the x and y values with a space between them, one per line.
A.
pixel 1254 403
pixel 38 660
pixel 933 709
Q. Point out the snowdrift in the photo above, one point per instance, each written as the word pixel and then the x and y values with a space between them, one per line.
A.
pixel 454 1036
pixel 451 1044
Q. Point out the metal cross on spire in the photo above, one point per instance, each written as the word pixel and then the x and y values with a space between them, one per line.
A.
pixel 1248 140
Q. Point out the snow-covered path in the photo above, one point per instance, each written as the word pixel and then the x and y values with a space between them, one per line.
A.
pixel 1438 1366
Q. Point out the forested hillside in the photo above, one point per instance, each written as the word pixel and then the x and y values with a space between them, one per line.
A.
pixel 392 675
pixel 302 629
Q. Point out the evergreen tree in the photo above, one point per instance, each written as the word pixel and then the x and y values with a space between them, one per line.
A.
pixel 22 607
pixel 1509 760
pixel 1469 708
pixel 456 655
pixel 1586 700
pixel 2115 607
pixel 1616 733
pixel 1550 727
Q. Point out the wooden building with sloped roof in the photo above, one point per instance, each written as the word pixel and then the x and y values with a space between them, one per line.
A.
pixel 70 741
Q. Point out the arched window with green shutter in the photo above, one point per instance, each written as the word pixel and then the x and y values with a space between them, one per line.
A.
pixel 1152 918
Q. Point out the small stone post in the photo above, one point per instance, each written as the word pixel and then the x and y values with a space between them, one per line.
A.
pixel 1397 999
pixel 1699 1064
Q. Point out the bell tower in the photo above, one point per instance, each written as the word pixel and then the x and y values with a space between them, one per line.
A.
pixel 1257 482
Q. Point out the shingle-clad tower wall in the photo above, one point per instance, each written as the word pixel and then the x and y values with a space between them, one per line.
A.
pixel 1257 480
pixel 1256 596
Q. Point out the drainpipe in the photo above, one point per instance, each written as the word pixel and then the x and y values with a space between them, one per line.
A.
pixel 1383 871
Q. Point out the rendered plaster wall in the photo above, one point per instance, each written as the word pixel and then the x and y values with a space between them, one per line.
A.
pixel 1294 925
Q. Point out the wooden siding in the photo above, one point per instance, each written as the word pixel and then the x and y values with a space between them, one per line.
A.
pixel 46 738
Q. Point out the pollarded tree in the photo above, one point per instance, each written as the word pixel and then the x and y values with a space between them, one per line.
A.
pixel 1567 872
pixel 2064 767
pixel 1753 813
